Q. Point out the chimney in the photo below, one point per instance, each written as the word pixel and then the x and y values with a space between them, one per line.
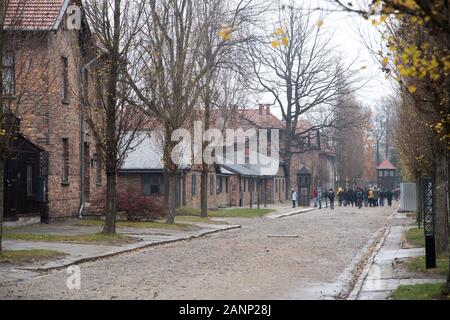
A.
pixel 268 110
pixel 261 109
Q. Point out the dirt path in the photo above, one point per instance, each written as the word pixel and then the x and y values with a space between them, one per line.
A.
pixel 247 263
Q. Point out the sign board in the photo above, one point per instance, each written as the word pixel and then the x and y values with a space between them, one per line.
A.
pixel 408 197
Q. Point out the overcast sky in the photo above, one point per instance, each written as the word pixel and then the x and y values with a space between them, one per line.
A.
pixel 349 34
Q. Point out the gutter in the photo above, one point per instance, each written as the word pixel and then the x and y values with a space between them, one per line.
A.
pixel 82 136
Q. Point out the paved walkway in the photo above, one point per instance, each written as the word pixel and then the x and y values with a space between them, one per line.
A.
pixel 77 253
pixel 383 275
pixel 297 257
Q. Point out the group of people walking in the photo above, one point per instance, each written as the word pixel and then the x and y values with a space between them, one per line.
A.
pixel 359 197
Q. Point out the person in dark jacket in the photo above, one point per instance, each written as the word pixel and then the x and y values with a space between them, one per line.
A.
pixel 331 197
pixel 389 196
pixel 359 198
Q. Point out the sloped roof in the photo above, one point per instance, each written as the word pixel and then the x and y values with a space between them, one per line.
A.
pixel 36 15
pixel 262 118
pixel 147 155
pixel 265 167
pixel 386 165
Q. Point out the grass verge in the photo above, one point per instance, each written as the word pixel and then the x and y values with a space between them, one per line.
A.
pixel 227 213
pixel 240 213
pixel 418 265
pixel 428 291
pixel 85 238
pixel 22 256
pixel 415 237
pixel 141 225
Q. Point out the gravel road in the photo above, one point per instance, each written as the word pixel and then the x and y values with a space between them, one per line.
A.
pixel 286 258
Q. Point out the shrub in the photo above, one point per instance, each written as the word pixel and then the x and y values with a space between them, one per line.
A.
pixel 139 207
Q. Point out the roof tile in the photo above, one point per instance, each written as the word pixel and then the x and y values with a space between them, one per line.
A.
pixel 32 14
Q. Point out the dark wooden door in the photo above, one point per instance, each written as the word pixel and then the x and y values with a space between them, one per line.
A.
pixel 11 187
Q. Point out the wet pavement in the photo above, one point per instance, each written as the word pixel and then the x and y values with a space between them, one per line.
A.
pixel 384 274
pixel 305 256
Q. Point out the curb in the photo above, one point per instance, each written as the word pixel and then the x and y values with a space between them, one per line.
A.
pixel 129 250
pixel 357 287
pixel 290 214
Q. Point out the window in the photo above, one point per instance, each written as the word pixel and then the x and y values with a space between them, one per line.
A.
pixel 392 173
pixel 65 79
pixel 277 182
pixel 65 161
pixel 29 180
pixel 211 185
pixel 245 184
pixel 219 185
pixel 152 184
pixel 380 173
pixel 98 170
pixel 86 87
pixel 99 85
pixel 194 185
pixel 8 74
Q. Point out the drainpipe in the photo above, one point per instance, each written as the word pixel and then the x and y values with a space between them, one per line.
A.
pixel 82 136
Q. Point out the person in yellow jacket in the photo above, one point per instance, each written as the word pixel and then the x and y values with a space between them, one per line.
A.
pixel 371 198
pixel 339 194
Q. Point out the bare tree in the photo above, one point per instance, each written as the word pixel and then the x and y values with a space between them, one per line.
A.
pixel 349 141
pixel 113 118
pixel 173 68
pixel 295 64
pixel 227 25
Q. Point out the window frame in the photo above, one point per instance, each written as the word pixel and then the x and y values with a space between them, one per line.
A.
pixel 193 185
pixel 211 185
pixel 12 71
pixel 65 80
pixel 65 177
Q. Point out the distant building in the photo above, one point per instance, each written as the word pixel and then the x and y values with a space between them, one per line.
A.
pixel 387 176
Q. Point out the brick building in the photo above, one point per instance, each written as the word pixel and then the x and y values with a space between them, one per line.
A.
pixel 51 113
pixel 229 184
pixel 387 176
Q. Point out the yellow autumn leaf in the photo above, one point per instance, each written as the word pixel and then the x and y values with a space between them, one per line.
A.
pixel 385 61
pixel 280 31
pixel 412 89
pixel 320 23
pixel 275 44
pixel 225 34
pixel 285 41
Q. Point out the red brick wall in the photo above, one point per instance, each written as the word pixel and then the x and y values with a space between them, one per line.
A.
pixel 51 120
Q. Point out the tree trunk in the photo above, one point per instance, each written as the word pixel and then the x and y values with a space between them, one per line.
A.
pixel 441 214
pixel 204 192
pixel 250 185
pixel 258 190
pixel 111 125
pixel 111 204
pixel 2 161
pixel 447 287
pixel 172 198
pixel 2 193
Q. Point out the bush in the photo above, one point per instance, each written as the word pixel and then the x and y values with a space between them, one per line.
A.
pixel 139 207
